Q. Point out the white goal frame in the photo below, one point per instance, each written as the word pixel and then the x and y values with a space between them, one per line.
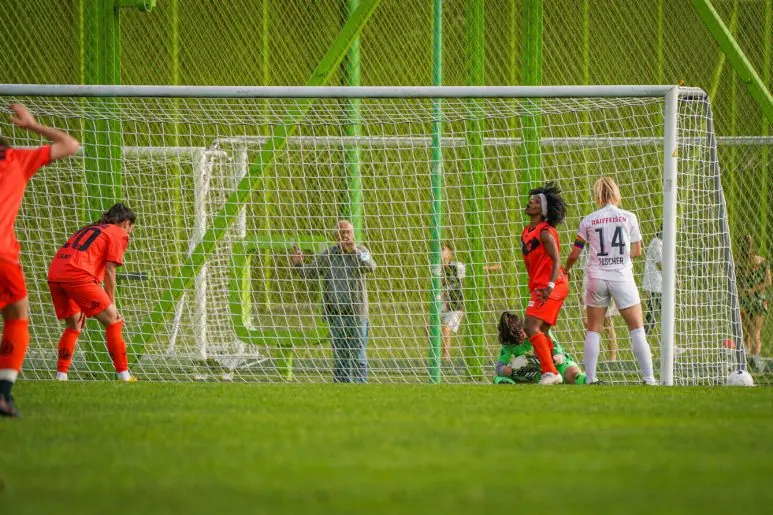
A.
pixel 670 142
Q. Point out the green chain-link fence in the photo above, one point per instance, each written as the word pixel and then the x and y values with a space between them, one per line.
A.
pixel 278 42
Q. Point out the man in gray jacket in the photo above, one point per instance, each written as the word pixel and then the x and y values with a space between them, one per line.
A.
pixel 341 269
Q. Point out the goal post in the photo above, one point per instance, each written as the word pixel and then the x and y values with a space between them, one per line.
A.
pixel 670 191
pixel 221 299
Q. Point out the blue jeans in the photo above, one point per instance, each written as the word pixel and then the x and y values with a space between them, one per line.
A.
pixel 349 334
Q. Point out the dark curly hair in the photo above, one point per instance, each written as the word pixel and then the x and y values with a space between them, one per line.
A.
pixel 556 204
pixel 510 328
pixel 116 214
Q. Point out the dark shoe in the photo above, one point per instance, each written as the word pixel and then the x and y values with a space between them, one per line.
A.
pixel 7 408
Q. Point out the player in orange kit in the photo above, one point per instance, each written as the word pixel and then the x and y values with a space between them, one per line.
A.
pixel 17 166
pixel 547 282
pixel 89 257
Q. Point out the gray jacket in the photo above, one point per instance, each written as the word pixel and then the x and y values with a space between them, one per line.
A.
pixel 343 281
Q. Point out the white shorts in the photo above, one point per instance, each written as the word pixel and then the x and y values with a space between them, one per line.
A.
pixel 452 319
pixel 599 293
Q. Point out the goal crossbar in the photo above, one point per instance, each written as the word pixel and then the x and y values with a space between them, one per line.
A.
pixel 311 92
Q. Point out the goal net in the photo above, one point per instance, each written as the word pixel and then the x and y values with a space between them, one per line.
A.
pixel 226 182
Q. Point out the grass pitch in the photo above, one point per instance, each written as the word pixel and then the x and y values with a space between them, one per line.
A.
pixel 202 448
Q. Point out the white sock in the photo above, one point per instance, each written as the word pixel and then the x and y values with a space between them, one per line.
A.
pixel 8 374
pixel 124 376
pixel 592 349
pixel 641 349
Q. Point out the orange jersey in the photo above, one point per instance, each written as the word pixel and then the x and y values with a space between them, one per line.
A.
pixel 17 166
pixel 538 263
pixel 84 256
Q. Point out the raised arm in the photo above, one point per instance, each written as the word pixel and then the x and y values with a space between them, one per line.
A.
pixel 366 259
pixel 62 144
pixel 307 270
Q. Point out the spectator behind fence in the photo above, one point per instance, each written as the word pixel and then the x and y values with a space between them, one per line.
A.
pixel 341 269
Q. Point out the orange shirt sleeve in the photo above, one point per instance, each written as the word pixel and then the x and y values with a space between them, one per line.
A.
pixel 118 241
pixel 31 160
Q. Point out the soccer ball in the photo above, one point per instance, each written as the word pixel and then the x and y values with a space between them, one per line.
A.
pixel 740 378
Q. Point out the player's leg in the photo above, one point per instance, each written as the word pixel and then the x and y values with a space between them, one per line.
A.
pixel 545 328
pixel 66 348
pixel 592 347
pixel 116 346
pixel 13 349
pixel 66 309
pixel 597 298
pixel 572 373
pixel 94 302
pixel 627 299
pixel 16 334
pixel 539 341
pixel 541 314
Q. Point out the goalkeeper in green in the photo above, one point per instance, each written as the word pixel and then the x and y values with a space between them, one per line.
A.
pixel 517 362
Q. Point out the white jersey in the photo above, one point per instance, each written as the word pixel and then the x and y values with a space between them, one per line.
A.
pixel 608 234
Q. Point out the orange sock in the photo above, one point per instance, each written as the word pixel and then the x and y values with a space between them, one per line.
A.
pixel 66 349
pixel 116 346
pixel 542 349
pixel 16 339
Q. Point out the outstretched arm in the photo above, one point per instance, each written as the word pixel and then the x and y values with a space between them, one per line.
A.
pixel 308 270
pixel 63 145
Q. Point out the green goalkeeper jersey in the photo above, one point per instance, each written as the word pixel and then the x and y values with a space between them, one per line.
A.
pixel 526 367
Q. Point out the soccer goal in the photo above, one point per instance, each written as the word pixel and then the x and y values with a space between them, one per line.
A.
pixel 228 181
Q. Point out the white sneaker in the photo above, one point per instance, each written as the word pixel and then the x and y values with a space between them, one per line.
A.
pixel 551 378
pixel 650 381
pixel 126 377
pixel 61 376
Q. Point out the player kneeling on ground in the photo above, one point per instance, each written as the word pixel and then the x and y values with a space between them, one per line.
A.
pixel 526 367
pixel 89 257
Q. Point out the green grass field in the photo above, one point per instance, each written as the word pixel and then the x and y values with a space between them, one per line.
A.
pixel 202 448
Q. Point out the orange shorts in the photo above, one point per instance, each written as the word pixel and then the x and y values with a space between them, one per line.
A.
pixel 70 299
pixel 547 311
pixel 12 287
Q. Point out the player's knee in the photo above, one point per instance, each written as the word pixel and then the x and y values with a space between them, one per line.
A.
pixel 633 317
pixel 595 325
pixel 532 326
pixel 108 316
pixel 570 376
pixel 75 322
